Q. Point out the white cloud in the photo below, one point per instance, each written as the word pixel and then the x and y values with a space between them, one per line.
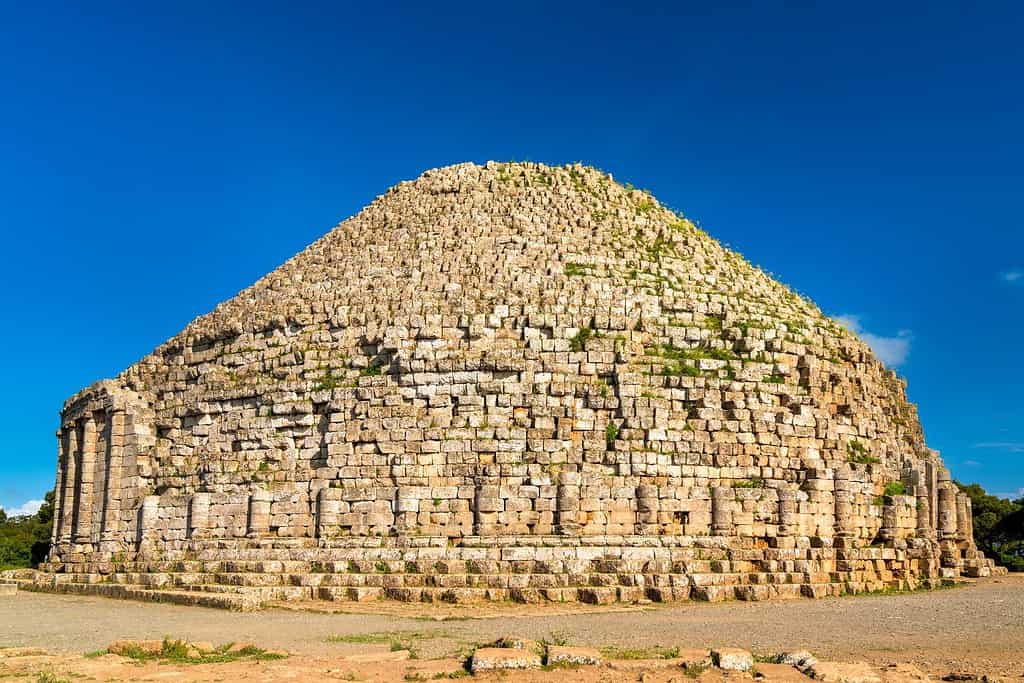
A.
pixel 1012 277
pixel 971 463
pixel 892 351
pixel 1011 446
pixel 29 507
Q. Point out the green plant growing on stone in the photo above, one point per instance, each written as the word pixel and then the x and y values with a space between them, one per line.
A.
pixel 611 433
pixel 577 269
pixel 895 488
pixel 328 380
pixel 858 453
pixel 579 340
pixel 372 370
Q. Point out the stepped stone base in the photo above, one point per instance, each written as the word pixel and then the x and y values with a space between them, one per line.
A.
pixel 246 575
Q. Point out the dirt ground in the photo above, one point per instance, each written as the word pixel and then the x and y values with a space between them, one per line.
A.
pixel 977 628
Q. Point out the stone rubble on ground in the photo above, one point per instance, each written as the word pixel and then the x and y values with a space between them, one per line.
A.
pixel 801 659
pixel 493 658
pixel 581 656
pixel 510 654
pixel 732 659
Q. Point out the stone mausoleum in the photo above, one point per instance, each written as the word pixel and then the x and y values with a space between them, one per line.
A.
pixel 509 381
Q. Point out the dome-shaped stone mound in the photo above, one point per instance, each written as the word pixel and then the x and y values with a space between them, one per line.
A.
pixel 500 381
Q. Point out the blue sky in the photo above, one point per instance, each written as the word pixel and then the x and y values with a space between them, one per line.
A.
pixel 156 160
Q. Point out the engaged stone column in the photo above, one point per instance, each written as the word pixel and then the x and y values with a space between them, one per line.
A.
pixel 259 513
pixel 931 477
pixel 963 529
pixel 721 511
pixel 568 503
pixel 199 515
pixel 887 532
pixel 407 509
pixel 67 492
pixel 820 487
pixel 843 504
pixel 924 513
pixel 787 512
pixel 328 512
pixel 58 489
pixel 947 513
pixel 647 508
pixel 487 504
pixel 149 519
pixel 87 474
pixel 110 512
pixel 969 509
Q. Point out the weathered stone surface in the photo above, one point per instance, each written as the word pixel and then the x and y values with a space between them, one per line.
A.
pixel 844 672
pixel 517 643
pixel 12 652
pixel 801 659
pixel 369 657
pixel 558 654
pixel 240 646
pixel 8 588
pixel 782 673
pixel 693 658
pixel 533 373
pixel 903 673
pixel 492 658
pixel 732 659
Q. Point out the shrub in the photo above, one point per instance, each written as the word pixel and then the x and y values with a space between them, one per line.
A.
pixel 25 540
pixel 858 453
pixel 579 340
pixel 611 433
pixel 998 526
pixel 895 488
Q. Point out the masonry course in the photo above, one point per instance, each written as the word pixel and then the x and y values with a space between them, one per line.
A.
pixel 509 381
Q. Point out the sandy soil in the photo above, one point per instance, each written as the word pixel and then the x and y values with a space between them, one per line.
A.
pixel 977 628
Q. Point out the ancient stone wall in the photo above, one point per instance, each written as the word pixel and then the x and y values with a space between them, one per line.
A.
pixel 511 352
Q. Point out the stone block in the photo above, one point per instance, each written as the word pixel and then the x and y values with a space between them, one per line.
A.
pixel 732 659
pixel 495 658
pixel 558 654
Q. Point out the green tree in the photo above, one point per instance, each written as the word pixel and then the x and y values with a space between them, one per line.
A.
pixel 25 539
pixel 998 526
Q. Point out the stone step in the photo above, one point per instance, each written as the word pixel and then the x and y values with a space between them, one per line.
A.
pixel 230 601
pixel 383 579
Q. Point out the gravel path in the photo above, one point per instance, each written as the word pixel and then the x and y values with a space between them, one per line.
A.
pixel 978 627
